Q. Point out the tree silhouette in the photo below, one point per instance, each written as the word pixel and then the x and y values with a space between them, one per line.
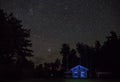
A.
pixel 97 45
pixel 86 54
pixel 70 58
pixel 110 52
pixel 65 51
pixel 97 54
pixel 57 64
pixel 14 42
pixel 73 59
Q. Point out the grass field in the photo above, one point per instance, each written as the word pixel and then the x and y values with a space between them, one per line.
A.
pixel 70 80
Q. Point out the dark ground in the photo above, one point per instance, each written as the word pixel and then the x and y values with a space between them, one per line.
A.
pixel 67 80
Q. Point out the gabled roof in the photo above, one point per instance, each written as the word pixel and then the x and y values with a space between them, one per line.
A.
pixel 79 67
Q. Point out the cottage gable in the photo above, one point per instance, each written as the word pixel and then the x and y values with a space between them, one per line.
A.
pixel 79 71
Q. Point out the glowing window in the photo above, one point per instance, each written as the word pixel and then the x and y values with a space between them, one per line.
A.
pixel 83 75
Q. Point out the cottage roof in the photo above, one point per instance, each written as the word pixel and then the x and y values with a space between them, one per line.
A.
pixel 79 67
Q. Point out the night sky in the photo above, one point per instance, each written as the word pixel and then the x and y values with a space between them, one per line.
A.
pixel 53 22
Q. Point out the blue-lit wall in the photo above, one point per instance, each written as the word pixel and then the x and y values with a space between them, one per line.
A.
pixel 79 75
pixel 75 74
pixel 83 74
pixel 79 72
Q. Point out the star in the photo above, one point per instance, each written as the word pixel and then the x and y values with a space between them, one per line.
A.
pixel 49 49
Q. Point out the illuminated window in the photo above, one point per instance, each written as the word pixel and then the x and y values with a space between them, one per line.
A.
pixel 83 75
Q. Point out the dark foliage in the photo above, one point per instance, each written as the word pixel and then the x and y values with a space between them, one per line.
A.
pixel 110 53
pixel 14 46
pixel 86 55
pixel 65 51
pixel 48 70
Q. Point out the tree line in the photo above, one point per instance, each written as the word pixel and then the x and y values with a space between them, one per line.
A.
pixel 15 52
pixel 100 57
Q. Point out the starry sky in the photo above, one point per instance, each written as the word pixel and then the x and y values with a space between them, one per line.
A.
pixel 54 22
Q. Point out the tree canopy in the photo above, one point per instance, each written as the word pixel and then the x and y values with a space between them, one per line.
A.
pixel 14 40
